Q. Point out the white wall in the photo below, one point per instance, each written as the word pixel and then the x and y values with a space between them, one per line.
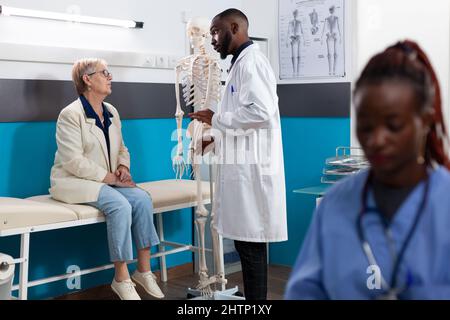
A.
pixel 371 26
pixel 381 23
pixel 263 16
pixel 163 32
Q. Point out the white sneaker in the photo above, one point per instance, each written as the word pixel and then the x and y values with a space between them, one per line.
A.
pixel 125 290
pixel 148 281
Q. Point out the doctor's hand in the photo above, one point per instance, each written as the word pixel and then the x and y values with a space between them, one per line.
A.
pixel 123 173
pixel 204 116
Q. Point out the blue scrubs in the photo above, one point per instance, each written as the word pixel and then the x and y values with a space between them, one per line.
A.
pixel 333 265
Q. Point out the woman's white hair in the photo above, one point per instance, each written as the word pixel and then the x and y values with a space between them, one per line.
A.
pixel 82 67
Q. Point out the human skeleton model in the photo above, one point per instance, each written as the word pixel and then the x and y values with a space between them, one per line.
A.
pixel 332 25
pixel 295 31
pixel 200 78
pixel 314 17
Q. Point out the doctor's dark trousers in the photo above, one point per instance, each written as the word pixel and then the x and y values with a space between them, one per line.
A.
pixel 253 257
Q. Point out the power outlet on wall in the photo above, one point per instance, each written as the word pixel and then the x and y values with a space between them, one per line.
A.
pixel 162 62
pixel 150 61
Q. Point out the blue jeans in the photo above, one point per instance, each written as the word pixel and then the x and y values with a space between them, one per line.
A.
pixel 129 214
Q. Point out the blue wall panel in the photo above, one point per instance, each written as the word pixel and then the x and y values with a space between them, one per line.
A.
pixel 26 156
pixel 307 142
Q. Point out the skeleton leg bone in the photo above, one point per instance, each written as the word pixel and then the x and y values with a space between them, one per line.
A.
pixel 201 215
pixel 219 277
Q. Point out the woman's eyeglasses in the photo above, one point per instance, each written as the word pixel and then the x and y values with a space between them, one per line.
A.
pixel 105 73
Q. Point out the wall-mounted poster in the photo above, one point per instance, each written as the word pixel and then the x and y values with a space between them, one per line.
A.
pixel 311 39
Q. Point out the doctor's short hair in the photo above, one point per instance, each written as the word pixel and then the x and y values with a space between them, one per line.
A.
pixel 406 61
pixel 232 12
pixel 82 67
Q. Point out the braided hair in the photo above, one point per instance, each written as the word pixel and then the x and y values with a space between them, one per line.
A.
pixel 406 61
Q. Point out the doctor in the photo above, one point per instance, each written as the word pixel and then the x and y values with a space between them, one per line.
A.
pixel 384 233
pixel 250 203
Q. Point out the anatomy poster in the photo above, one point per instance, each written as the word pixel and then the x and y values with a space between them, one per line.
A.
pixel 311 39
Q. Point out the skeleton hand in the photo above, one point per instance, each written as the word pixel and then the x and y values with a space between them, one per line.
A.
pixel 179 165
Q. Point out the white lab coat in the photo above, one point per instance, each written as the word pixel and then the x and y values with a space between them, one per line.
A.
pixel 250 198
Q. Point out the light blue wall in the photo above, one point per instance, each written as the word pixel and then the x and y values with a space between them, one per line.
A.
pixel 26 156
pixel 307 142
pixel 27 152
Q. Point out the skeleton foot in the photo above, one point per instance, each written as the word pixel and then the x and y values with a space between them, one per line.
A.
pixel 220 279
pixel 204 285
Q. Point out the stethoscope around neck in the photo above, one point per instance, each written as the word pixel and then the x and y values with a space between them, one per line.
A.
pixel 391 287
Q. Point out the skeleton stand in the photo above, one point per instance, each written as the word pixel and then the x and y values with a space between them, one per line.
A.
pixel 222 293
pixel 200 77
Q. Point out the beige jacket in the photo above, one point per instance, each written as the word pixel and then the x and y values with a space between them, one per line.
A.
pixel 81 161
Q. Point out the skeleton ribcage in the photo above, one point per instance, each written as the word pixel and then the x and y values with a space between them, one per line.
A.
pixel 201 88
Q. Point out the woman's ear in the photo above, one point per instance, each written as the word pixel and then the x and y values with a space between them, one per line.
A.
pixel 86 80
pixel 428 118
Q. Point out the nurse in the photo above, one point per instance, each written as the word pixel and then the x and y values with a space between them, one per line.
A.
pixel 383 234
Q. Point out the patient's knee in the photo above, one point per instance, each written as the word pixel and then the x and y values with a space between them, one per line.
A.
pixel 121 208
pixel 143 202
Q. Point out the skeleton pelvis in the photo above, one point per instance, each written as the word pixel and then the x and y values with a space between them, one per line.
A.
pixel 196 130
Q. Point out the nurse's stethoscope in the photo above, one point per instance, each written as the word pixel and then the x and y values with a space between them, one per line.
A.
pixel 392 291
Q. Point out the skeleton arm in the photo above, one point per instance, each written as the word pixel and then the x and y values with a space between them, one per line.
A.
pixel 213 96
pixel 323 30
pixel 303 34
pixel 179 165
pixel 213 86
pixel 179 113
pixel 288 35
pixel 339 30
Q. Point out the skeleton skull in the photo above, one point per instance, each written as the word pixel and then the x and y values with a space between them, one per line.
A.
pixel 197 30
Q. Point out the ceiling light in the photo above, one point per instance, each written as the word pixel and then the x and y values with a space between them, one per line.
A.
pixel 9 11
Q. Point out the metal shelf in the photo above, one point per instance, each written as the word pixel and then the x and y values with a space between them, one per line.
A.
pixel 348 161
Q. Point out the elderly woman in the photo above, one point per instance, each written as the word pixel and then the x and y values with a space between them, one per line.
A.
pixel 92 166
